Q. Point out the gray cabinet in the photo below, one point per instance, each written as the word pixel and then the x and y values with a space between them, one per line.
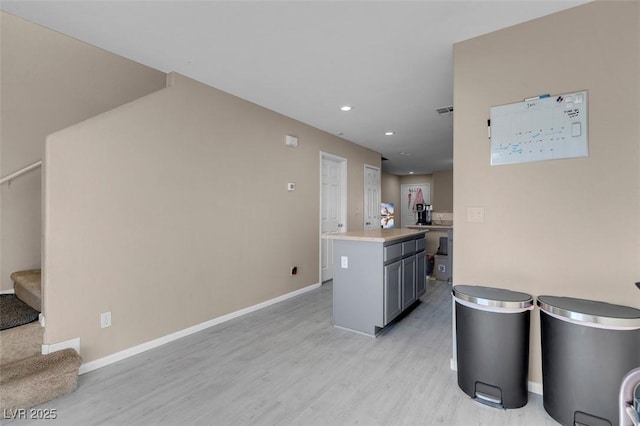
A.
pixel 374 282
pixel 421 274
pixel 392 290
pixel 408 281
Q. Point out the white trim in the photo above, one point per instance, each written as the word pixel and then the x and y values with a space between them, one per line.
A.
pixel 533 387
pixel 135 350
pixel 55 347
pixel 10 291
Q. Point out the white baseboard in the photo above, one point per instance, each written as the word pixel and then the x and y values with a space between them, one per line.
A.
pixel 533 387
pixel 10 291
pixel 54 347
pixel 135 350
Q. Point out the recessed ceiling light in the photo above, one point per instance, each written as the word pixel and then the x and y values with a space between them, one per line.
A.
pixel 406 154
pixel 345 108
pixel 389 133
pixel 410 173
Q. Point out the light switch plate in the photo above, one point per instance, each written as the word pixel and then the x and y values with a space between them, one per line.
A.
pixel 344 262
pixel 475 214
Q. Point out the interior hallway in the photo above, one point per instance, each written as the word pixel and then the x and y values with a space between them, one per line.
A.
pixel 286 365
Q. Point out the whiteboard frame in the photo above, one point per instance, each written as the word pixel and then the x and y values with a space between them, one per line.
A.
pixel 540 129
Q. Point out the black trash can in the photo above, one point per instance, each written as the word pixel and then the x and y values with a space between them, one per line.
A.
pixel 492 344
pixel 588 347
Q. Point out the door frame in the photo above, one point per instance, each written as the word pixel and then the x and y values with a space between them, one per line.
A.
pixel 343 201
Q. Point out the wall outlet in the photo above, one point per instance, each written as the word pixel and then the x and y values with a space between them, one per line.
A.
pixel 105 319
pixel 293 271
pixel 344 262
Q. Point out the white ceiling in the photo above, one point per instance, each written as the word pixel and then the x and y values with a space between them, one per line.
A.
pixel 391 60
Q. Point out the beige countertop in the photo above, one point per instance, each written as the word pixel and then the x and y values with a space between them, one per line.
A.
pixel 376 235
pixel 433 227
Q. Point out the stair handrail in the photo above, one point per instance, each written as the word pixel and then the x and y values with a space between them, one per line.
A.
pixel 10 177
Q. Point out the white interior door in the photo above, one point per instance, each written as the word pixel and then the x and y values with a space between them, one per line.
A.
pixel 332 207
pixel 371 197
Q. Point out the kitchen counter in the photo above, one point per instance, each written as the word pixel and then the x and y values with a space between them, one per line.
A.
pixel 434 227
pixel 377 235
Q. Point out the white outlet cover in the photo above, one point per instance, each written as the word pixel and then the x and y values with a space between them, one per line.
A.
pixel 291 186
pixel 344 262
pixel 105 319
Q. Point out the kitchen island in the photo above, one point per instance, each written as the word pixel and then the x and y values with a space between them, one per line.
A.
pixel 378 274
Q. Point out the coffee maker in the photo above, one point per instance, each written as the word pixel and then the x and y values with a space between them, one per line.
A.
pixel 424 214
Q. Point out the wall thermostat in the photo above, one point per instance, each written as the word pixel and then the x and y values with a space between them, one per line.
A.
pixel 291 141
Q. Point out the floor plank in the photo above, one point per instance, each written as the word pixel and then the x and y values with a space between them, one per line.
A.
pixel 286 365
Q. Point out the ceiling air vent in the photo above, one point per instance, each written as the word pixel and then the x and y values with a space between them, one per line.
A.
pixel 445 110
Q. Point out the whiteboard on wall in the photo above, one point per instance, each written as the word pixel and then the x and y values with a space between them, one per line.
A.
pixel 541 128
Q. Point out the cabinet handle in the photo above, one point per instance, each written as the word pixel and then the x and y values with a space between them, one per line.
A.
pixel 339 225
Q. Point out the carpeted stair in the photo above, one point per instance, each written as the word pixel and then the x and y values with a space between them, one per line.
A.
pixel 28 378
pixel 28 288
pixel 20 342
pixel 31 381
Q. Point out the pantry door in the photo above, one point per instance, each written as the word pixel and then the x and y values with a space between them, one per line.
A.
pixel 371 197
pixel 333 207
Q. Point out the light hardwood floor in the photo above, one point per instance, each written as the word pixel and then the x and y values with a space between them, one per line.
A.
pixel 287 365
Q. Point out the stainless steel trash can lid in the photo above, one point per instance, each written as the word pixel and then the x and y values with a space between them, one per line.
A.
pixel 590 312
pixel 493 297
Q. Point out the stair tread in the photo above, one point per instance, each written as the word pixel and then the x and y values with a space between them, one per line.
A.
pixel 31 278
pixel 32 381
pixel 28 287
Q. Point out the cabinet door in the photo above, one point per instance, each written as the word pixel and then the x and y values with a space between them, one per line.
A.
pixel 392 291
pixel 421 274
pixel 408 281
